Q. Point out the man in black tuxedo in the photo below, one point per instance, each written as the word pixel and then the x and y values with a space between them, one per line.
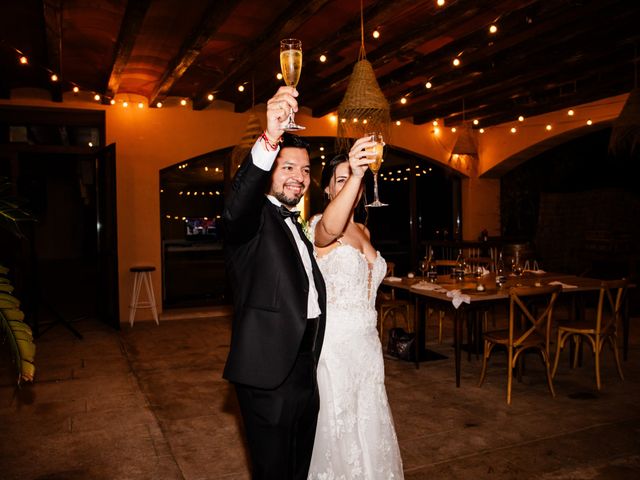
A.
pixel 279 300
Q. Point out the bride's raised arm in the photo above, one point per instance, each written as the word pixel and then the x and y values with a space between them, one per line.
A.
pixel 340 208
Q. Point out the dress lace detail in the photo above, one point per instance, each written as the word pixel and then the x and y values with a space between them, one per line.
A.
pixel 355 435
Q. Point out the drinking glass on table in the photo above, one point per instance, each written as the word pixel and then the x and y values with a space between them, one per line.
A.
pixel 291 66
pixel 375 166
pixel 423 266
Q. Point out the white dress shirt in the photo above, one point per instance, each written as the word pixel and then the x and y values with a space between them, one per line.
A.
pixel 264 159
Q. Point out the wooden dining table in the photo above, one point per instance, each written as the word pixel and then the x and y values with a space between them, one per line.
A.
pixel 440 299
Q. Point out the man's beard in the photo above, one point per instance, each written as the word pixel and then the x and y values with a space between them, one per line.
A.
pixel 288 201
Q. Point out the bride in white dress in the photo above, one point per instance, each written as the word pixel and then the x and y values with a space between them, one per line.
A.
pixel 355 435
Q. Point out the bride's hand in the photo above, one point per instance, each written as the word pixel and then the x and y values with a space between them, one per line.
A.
pixel 361 155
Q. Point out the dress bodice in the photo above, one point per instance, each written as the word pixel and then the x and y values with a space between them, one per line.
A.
pixel 351 281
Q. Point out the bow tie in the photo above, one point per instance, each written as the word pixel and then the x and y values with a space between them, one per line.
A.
pixel 286 213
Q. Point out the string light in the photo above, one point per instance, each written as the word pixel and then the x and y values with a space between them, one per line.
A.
pixel 570 113
pixel 435 123
pixel 476 122
pixel 453 130
pixel 428 85
pixel 241 88
pixel 24 60
pixel 514 129
pixel 183 102
pixel 403 100
pixel 210 97
pixel 456 62
pixel 76 90
pixel 279 76
pixel 440 3
pixel 376 34
pixel 112 102
pixel 398 123
pixel 521 118
pixel 125 104
pixel 548 127
pixel 589 122
pixel 54 77
pixel 323 58
pixel 493 29
pixel 481 130
pixel 159 104
pixel 96 97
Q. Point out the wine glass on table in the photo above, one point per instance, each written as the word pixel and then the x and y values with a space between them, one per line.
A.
pixel 291 66
pixel 378 148
pixel 423 266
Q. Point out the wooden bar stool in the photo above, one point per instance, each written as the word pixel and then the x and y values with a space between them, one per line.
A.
pixel 142 274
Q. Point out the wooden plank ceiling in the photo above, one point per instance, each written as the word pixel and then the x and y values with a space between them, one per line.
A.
pixel 546 55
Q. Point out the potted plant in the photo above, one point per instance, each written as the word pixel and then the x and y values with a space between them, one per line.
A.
pixel 14 332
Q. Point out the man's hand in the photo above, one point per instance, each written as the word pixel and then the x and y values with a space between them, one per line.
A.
pixel 278 108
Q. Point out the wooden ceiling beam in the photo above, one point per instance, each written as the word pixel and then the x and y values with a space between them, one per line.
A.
pixel 292 18
pixel 476 60
pixel 216 14
pixel 129 28
pixel 520 99
pixel 379 13
pixel 52 11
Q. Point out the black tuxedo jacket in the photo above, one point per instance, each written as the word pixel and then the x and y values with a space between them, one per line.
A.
pixel 269 283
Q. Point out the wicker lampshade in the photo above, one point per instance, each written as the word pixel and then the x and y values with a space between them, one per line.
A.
pixel 466 142
pixel 363 108
pixel 251 134
pixel 625 133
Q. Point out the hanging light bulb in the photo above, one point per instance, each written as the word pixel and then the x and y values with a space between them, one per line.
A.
pixel 23 60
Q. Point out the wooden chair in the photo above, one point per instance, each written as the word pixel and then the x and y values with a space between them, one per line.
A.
pixel 389 305
pixel 604 328
pixel 443 267
pixel 533 331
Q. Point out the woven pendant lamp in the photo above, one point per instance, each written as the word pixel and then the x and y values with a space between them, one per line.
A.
pixel 625 133
pixel 364 107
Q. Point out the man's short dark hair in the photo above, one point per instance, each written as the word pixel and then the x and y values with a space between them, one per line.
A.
pixel 289 140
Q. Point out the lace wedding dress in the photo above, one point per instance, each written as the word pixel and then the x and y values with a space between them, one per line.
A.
pixel 355 435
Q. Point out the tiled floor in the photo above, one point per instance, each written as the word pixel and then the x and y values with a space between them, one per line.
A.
pixel 149 403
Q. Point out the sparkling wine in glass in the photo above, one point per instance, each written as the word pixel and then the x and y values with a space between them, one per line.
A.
pixel 291 66
pixel 375 166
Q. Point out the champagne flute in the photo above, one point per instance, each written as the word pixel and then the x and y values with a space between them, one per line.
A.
pixel 375 166
pixel 291 66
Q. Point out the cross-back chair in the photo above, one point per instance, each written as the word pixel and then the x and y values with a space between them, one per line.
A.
pixel 598 332
pixel 528 329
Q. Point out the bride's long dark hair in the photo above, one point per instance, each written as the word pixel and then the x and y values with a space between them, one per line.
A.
pixel 328 172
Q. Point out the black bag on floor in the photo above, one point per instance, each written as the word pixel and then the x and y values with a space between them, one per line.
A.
pixel 402 344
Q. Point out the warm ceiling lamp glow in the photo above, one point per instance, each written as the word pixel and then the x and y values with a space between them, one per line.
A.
pixel 23 60
pixel 493 29
pixel 54 77
pixel 403 100
pixel 481 130
pixel 322 149
pixel 323 58
pixel 183 102
pixel 355 120
pixel 241 88
pixel 570 113
pixel 548 127
pixel 456 62
pixel 476 122
pixel 322 157
pixel 514 129
pixel 398 122
pixel 125 104
pixel 428 85
pixel 140 105
pixel 521 118
pixel 76 89
pixel 279 76
pixel 112 102
pixel 210 97
pixel 589 122
pixel 96 97
pixel 159 104
pixel 454 129
pixel 376 34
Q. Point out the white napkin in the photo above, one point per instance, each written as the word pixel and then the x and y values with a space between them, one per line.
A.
pixel 564 285
pixel 393 279
pixel 485 271
pixel 457 297
pixel 537 272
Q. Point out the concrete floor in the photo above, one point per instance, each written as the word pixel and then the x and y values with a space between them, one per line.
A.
pixel 149 403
